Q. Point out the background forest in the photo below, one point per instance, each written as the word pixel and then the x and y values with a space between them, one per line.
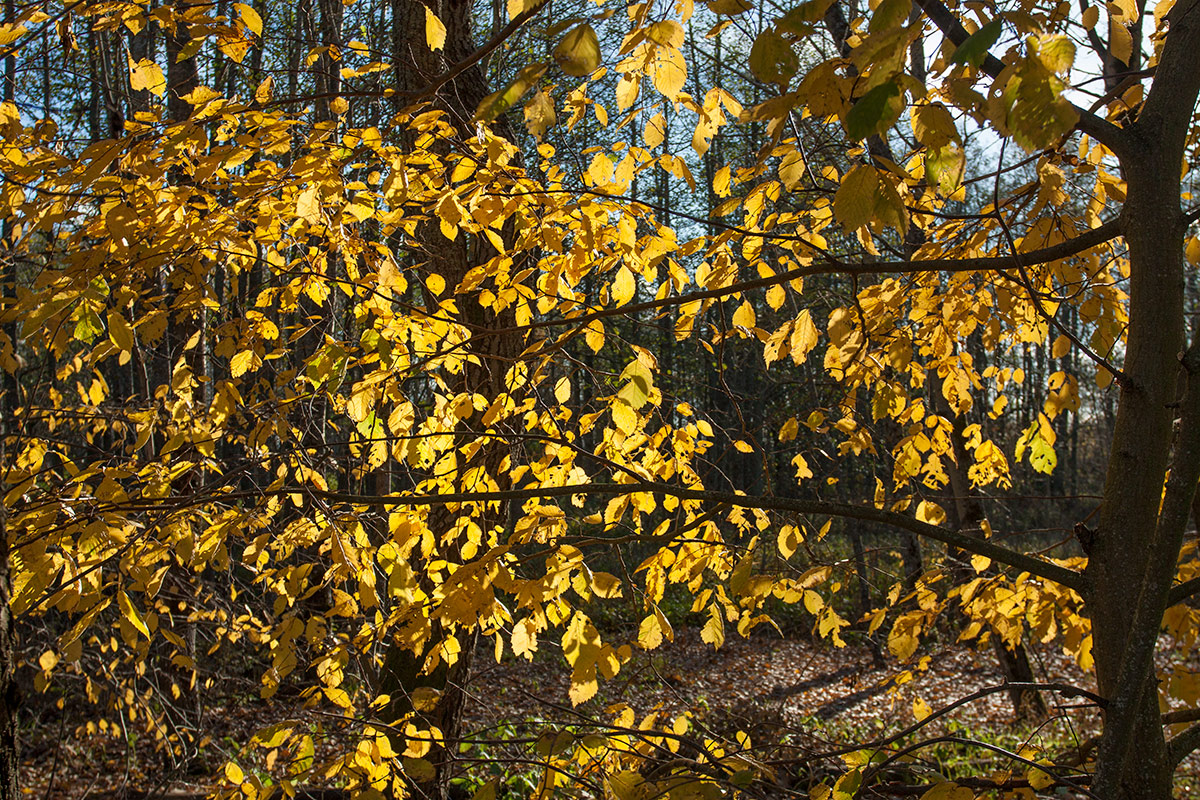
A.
pixel 363 359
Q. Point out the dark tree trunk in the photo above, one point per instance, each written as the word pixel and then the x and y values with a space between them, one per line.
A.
pixel 182 76
pixel 404 670
pixel 9 764
pixel 9 701
pixel 1132 564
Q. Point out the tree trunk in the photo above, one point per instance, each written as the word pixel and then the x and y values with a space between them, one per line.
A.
pixel 182 76
pixel 1132 564
pixel 9 701
pixel 405 670
pixel 9 764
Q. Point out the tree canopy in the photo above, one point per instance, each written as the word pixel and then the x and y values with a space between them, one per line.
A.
pixel 371 339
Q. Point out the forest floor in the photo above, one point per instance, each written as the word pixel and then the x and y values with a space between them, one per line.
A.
pixel 796 690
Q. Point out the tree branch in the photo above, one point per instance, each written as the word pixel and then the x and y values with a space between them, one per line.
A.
pixel 972 544
pixel 1084 241
pixel 1181 745
pixel 1100 129
pixel 1182 591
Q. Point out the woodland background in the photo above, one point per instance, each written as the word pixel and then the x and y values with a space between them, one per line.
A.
pixel 363 360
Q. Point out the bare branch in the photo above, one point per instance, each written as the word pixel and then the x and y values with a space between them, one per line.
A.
pixel 1182 745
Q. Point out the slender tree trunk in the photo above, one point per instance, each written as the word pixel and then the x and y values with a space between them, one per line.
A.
pixel 182 75
pixel 1132 564
pixel 405 670
pixel 9 700
pixel 9 763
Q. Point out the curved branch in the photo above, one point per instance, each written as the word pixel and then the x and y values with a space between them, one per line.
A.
pixel 1084 241
pixel 971 544
pixel 1100 129
pixel 1182 745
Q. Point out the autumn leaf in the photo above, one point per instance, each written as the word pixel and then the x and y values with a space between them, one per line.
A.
pixel 875 111
pixel 539 114
pixel 772 59
pixel 145 75
pixel 249 18
pixel 435 30
pixel 578 53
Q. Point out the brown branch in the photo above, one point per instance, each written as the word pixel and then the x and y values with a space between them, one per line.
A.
pixel 964 541
pixel 1084 241
pixel 1182 591
pixel 1182 745
pixel 1115 139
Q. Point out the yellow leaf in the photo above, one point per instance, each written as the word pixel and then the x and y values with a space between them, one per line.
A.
pixel 262 94
pixel 147 76
pixel 921 709
pixel 669 72
pixel 904 637
pixel 524 638
pixel 934 126
pixel 623 286
pixel 518 7
pixel 1090 16
pixel 949 790
pixel 791 170
pixel 744 317
pixel 10 33
pixel 804 337
pixel 562 390
pixel 743 447
pixel 539 114
pixel 713 631
pixel 802 469
pixel 600 171
pixel 624 417
pixel 930 513
pixel 980 563
pixel 606 585
pixel 775 297
pixel 1039 779
pixel 435 31
pixel 308 207
pixel 120 332
pixel 656 131
pixel 243 362
pixel 579 51
pixel 594 335
pixel 854 203
pixel 234 774
pixel 639 384
pixel 789 540
pixel 668 33
pixel 47 660
pixel 627 91
pixel 1120 41
pixel 250 18
pixel 130 613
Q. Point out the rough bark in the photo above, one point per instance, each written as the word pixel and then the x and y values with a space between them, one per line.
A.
pixel 416 65
pixel 9 701
pixel 182 76
pixel 9 763
pixel 1134 555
